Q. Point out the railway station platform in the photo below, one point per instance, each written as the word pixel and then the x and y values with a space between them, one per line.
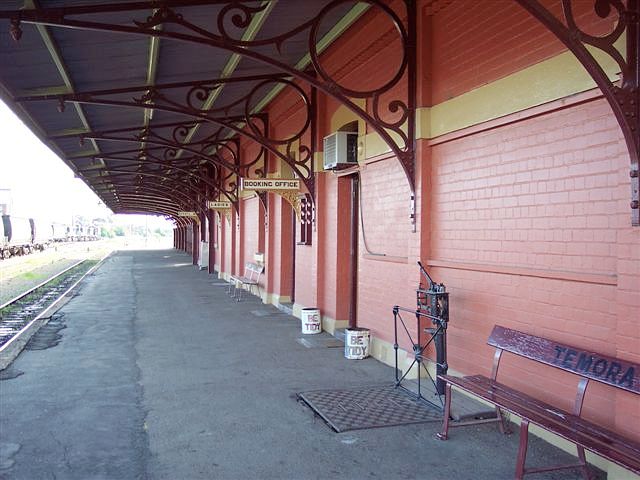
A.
pixel 159 374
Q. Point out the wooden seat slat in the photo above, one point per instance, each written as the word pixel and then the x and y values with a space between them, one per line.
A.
pixel 593 437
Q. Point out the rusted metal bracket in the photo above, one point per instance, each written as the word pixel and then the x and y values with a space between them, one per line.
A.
pixel 624 98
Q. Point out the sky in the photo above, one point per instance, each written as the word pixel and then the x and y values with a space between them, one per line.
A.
pixel 41 184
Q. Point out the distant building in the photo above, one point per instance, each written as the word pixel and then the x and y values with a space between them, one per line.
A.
pixel 5 201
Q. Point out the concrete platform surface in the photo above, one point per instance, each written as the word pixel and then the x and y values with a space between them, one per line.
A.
pixel 160 375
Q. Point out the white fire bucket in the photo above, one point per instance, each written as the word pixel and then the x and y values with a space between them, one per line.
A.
pixel 356 343
pixel 311 322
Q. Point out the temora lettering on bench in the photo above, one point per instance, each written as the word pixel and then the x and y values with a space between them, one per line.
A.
pixel 583 362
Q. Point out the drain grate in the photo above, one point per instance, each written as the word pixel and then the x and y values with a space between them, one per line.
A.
pixel 369 407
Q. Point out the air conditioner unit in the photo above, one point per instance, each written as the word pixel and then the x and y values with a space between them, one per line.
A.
pixel 340 149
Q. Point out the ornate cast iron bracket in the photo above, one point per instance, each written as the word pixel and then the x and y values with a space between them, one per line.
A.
pixel 392 118
pixel 624 98
pixel 145 158
pixel 247 124
pixel 170 161
pixel 155 196
pixel 293 198
pixel 163 142
pixel 111 176
pixel 264 200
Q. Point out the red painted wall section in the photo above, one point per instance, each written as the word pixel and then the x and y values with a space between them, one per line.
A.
pixel 306 273
pixel 360 59
pixel 536 194
pixel 249 229
pixel 229 237
pixel 287 118
pixel 189 244
pixel 626 335
pixel 279 262
pixel 333 240
pixel 219 241
pixel 238 247
pixel 385 281
pixel 478 42
pixel 529 231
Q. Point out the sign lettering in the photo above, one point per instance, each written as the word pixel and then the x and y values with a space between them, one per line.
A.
pixel 213 205
pixel 602 368
pixel 357 351
pixel 266 184
pixel 187 214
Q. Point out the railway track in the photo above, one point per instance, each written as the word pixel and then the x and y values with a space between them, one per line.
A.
pixel 21 316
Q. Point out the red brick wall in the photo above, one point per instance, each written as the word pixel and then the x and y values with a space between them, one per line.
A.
pixel 279 261
pixel 385 281
pixel 478 42
pixel 537 194
pixel 306 275
pixel 527 222
pixel 249 228
pixel 189 239
pixel 333 243
pixel 229 248
pixel 219 241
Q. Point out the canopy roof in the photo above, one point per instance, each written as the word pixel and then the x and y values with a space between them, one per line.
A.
pixel 147 100
pixel 148 119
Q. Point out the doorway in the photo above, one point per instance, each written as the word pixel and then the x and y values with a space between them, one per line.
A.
pixel 354 233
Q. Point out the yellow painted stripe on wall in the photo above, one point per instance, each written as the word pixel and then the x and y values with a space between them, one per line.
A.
pixel 552 79
pixel 549 80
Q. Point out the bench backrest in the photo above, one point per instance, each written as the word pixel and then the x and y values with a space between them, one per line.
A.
pixel 595 366
pixel 252 271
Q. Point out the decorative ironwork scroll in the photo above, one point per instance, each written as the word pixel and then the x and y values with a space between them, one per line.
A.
pixel 246 124
pixel 175 186
pixel 388 114
pixel 624 98
pixel 161 150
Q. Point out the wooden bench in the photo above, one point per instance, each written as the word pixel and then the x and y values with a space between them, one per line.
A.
pixel 251 279
pixel 613 372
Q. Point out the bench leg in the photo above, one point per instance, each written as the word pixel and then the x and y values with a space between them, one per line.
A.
pixel 522 449
pixel 586 472
pixel 231 286
pixel 502 423
pixel 444 434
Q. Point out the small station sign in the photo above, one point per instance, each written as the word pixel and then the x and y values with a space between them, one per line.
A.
pixel 270 184
pixel 188 214
pixel 215 205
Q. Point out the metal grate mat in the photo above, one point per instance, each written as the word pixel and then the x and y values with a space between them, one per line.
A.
pixel 369 407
